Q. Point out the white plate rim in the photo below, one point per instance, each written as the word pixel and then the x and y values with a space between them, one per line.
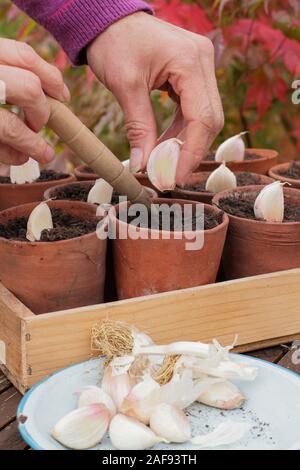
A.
pixel 30 441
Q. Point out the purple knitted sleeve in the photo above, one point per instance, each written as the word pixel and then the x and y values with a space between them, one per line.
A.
pixel 75 23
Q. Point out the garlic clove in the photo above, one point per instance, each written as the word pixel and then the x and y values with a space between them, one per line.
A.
pixel 91 394
pixel 133 404
pixel 171 423
pixel 82 428
pixel 128 434
pixel 40 219
pixel 222 179
pixel 232 150
pixel 117 386
pixel 226 433
pixel 222 395
pixel 162 164
pixel 269 204
pixel 100 193
pixel 27 173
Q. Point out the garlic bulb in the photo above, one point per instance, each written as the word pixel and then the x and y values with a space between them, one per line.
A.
pixel 128 434
pixel 91 394
pixel 269 204
pixel 226 433
pixel 40 219
pixel 222 179
pixel 170 423
pixel 100 193
pixel 232 150
pixel 133 404
pixel 83 428
pixel 223 395
pixel 116 386
pixel 162 164
pixel 26 173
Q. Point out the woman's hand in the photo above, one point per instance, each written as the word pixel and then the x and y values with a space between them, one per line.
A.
pixel 26 78
pixel 141 53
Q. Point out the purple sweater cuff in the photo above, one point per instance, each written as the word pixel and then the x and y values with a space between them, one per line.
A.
pixel 75 23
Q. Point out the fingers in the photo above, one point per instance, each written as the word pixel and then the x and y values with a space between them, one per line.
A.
pixel 9 156
pixel 176 127
pixel 15 134
pixel 140 123
pixel 24 89
pixel 19 54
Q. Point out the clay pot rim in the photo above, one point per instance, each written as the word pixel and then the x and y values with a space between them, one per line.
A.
pixel 51 202
pixel 251 221
pixel 79 171
pixel 39 184
pixel 221 226
pixel 272 154
pixel 273 173
pixel 208 193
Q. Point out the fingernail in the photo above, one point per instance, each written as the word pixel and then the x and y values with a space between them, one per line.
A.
pixel 66 93
pixel 49 154
pixel 136 159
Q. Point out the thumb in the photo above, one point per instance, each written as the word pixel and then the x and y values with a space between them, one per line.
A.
pixel 140 126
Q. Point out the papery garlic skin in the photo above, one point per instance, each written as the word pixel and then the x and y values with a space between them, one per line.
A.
pixel 91 394
pixel 162 164
pixel 171 423
pixel 128 434
pixel 269 204
pixel 226 433
pixel 117 386
pixel 222 179
pixel 40 219
pixel 83 428
pixel 100 193
pixel 222 395
pixel 232 150
pixel 26 173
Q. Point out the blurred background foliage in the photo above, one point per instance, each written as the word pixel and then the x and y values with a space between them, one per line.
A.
pixel 257 45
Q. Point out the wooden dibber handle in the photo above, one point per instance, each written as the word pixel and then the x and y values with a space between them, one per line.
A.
pixel 94 153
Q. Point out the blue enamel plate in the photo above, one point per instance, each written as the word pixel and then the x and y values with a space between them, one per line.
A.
pixel 272 408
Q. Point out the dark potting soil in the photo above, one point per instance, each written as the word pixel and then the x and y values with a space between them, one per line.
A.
pixel 292 172
pixel 77 192
pixel 210 221
pixel 244 207
pixel 210 157
pixel 66 226
pixel 243 179
pixel 46 175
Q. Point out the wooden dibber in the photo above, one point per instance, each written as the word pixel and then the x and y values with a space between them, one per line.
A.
pixel 94 153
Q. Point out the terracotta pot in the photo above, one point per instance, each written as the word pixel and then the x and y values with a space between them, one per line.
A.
pixel 204 196
pixel 83 175
pixel 254 247
pixel 12 195
pixel 51 192
pixel 150 266
pixel 50 276
pixel 274 173
pixel 262 165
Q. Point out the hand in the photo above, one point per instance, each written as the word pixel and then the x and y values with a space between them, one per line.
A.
pixel 26 77
pixel 141 53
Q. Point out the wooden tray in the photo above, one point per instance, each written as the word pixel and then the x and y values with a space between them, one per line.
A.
pixel 262 310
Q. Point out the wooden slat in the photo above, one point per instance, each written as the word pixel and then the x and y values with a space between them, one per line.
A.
pixel 270 354
pixel 10 438
pixel 261 310
pixel 8 406
pixel 291 361
pixel 4 383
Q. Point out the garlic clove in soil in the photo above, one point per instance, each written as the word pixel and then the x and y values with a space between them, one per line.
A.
pixel 82 428
pixel 128 434
pixel 222 395
pixel 269 204
pixel 171 423
pixel 232 150
pixel 117 386
pixel 91 394
pixel 226 433
pixel 162 164
pixel 27 173
pixel 40 219
pixel 100 193
pixel 222 179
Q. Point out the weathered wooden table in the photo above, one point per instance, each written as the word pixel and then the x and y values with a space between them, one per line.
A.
pixel 10 397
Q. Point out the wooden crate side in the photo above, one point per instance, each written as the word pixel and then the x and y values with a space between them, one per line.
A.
pixel 263 311
pixel 12 337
